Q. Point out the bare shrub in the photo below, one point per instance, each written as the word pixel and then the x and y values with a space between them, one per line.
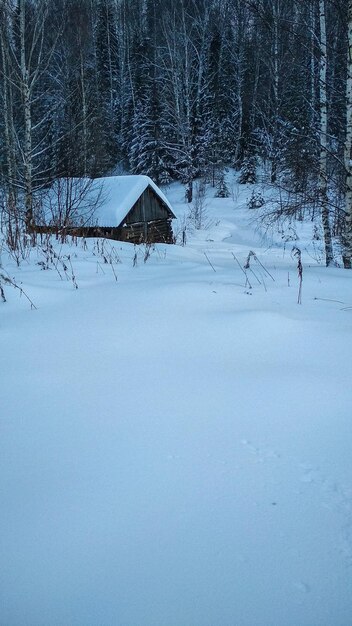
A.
pixel 12 228
pixel 69 203
pixel 198 210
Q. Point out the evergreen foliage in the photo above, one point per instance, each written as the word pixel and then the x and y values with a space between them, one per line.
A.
pixel 248 173
pixel 175 90
pixel 222 190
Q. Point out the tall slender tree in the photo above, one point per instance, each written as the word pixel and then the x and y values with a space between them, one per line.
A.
pixel 347 238
pixel 323 136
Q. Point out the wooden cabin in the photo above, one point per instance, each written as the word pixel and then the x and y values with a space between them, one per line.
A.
pixel 132 208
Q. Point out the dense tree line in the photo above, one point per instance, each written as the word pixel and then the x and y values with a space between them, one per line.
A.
pixel 178 89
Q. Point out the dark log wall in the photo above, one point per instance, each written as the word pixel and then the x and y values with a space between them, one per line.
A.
pixel 149 207
pixel 158 231
pixel 150 232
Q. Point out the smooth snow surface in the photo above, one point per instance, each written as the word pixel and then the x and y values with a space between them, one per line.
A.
pixel 176 444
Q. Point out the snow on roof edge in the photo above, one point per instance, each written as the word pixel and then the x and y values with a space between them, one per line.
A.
pixel 104 201
pixel 122 193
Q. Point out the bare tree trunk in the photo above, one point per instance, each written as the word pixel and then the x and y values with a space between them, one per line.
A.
pixel 111 73
pixel 240 118
pixel 312 25
pixel 323 186
pixel 27 112
pixel 84 116
pixel 347 238
pixel 8 118
pixel 184 92
pixel 187 104
pixel 275 69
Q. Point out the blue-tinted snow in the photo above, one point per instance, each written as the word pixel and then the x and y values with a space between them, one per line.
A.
pixel 176 447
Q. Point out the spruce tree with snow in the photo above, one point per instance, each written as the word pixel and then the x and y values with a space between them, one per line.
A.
pixel 143 155
pixel 146 146
pixel 107 55
pixel 147 154
pixel 248 173
pixel 222 190
pixel 222 102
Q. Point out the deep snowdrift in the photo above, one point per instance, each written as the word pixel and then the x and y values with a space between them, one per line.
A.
pixel 176 446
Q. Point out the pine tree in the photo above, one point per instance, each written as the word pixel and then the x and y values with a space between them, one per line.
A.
pixel 222 190
pixel 222 103
pixel 248 173
pixel 106 53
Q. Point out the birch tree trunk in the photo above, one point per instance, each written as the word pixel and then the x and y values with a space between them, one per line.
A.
pixel 323 127
pixel 347 238
pixel 84 115
pixel 312 64
pixel 26 59
pixel 275 88
pixel 7 115
pixel 26 95
pixel 187 105
pixel 184 73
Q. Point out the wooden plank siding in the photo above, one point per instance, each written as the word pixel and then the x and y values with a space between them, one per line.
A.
pixel 149 207
pixel 158 231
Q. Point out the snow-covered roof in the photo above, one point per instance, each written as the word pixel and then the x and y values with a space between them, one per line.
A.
pixel 119 194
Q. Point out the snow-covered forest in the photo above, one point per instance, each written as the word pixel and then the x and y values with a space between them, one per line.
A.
pixel 175 413
pixel 180 90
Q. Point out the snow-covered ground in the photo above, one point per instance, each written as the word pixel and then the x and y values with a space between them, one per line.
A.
pixel 176 444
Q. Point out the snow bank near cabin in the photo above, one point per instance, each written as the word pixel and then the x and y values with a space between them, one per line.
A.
pixel 176 446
